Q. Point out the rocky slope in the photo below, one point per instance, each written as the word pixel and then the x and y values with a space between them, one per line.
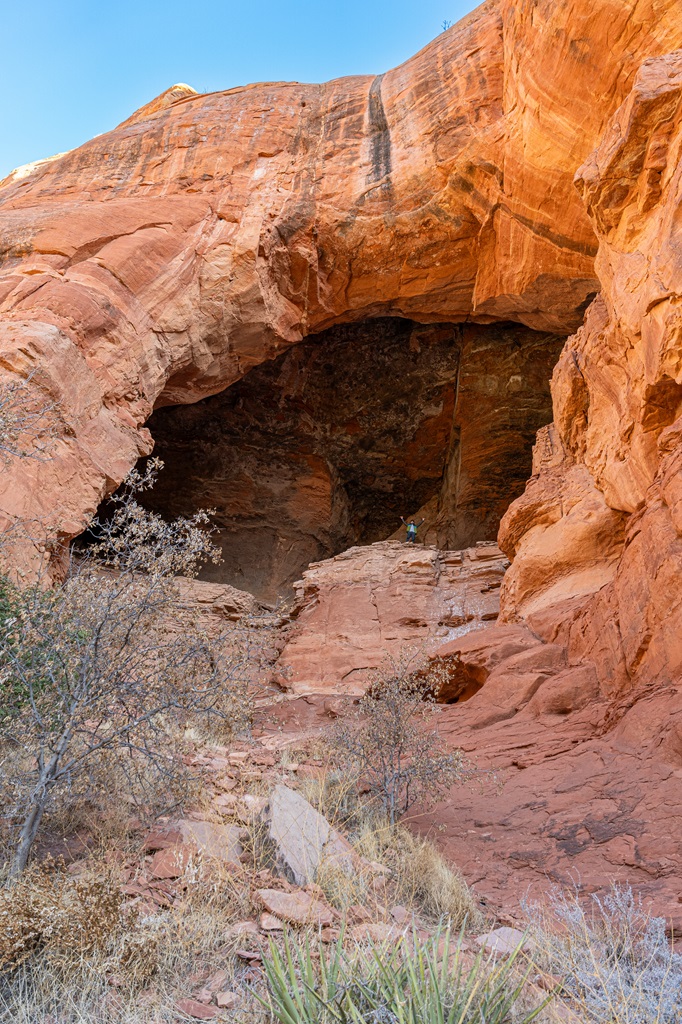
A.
pixel 372 603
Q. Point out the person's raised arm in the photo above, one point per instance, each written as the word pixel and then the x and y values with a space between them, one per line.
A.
pixel 422 522
pixel 403 521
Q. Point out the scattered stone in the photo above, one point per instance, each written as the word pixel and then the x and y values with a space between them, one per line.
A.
pixel 171 862
pixel 270 923
pixel 401 915
pixel 226 1000
pixel 226 782
pixel 238 757
pixel 254 804
pixel 196 1010
pixel 296 907
pixel 502 940
pixel 250 955
pixel 240 929
pixel 220 842
pixel 162 839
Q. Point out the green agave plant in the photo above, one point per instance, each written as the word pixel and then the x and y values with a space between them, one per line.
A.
pixel 410 982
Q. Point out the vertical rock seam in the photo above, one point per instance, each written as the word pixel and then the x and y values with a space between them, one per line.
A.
pixel 380 135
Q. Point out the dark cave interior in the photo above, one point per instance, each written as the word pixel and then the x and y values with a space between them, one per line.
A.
pixel 329 444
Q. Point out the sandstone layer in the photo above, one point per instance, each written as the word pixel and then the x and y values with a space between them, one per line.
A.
pixel 159 262
pixel 597 536
pixel 370 604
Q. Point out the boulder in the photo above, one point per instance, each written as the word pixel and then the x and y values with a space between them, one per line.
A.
pixel 502 940
pixel 304 838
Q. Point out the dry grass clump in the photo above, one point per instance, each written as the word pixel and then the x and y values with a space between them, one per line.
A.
pixel 423 877
pixel 63 916
pixel 259 848
pixel 73 953
pixel 418 875
pixel 334 793
pixel 63 940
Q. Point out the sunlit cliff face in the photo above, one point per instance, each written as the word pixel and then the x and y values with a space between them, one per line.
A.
pixel 329 444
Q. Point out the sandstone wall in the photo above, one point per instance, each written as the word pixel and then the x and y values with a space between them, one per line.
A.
pixel 602 514
pixel 159 262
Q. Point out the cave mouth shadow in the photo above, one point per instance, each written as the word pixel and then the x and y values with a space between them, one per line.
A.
pixel 327 445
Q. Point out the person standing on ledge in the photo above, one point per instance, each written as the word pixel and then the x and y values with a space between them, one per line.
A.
pixel 411 528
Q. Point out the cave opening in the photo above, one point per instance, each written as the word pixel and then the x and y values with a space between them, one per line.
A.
pixel 327 445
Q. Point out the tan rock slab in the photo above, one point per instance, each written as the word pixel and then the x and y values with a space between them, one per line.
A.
pixel 196 1010
pixel 502 940
pixel 305 840
pixel 296 907
pixel 226 1000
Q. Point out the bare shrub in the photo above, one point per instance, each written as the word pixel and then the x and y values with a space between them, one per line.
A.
pixel 387 743
pixel 27 421
pixel 99 676
pixel 613 958
pixel 51 912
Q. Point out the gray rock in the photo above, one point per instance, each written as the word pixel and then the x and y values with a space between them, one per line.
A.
pixel 304 838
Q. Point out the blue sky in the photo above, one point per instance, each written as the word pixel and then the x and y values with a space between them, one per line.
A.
pixel 71 69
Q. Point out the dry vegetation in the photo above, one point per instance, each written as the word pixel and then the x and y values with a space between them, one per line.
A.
pixel 108 686
pixel 388 745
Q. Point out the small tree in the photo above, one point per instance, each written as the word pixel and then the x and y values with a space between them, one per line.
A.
pixel 103 670
pixel 389 744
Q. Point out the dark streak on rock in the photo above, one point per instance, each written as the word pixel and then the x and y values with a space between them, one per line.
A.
pixel 379 134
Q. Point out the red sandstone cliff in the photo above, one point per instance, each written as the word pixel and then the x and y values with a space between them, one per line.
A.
pixel 597 536
pixel 160 261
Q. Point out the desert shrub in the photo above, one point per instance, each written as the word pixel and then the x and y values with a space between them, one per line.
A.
pixel 28 420
pixel 387 743
pixel 428 982
pixel 48 911
pixel 612 957
pixel 100 675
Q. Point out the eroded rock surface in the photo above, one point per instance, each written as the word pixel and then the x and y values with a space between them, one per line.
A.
pixel 375 602
pixel 158 263
pixel 597 536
